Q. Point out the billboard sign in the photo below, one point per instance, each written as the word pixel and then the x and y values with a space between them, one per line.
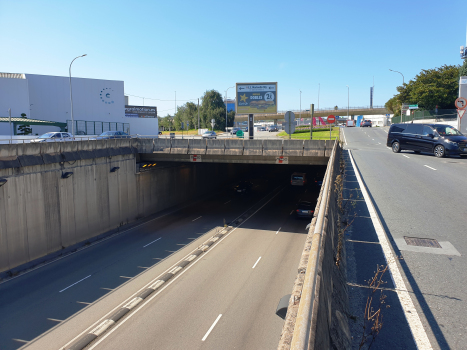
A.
pixel 140 112
pixel 255 98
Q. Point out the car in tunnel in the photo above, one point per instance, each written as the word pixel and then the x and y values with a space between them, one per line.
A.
pixel 304 209
pixel 243 187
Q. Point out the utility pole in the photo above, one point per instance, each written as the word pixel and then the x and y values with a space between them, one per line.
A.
pixel 198 115
pixel 312 111
pixel 300 107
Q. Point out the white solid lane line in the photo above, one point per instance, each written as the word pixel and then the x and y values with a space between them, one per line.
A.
pixel 152 242
pixel 430 167
pixel 210 329
pixel 196 219
pixel 291 212
pixel 405 156
pixel 228 201
pixel 257 261
pixel 75 283
pixel 343 133
pixel 278 230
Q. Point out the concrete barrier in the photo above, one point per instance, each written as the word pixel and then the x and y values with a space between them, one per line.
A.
pixel 144 145
pixel 197 146
pixel 293 148
pixel 319 300
pixel 233 147
pixel 215 146
pixel 253 147
pixel 179 146
pixel 272 147
pixel 329 144
pixel 314 148
pixel 161 146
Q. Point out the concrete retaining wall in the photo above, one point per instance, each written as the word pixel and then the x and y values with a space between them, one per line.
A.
pixel 42 213
pixel 234 147
pixel 179 146
pixel 272 147
pixel 253 148
pixel 314 148
pixel 197 146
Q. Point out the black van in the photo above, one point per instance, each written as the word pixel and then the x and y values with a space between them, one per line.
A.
pixel 439 139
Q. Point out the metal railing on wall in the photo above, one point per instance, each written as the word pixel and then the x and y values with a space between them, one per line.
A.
pixel 85 127
pixel 438 115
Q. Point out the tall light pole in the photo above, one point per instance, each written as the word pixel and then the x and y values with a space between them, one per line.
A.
pixel 319 88
pixel 300 107
pixel 403 83
pixel 226 106
pixel 71 98
pixel 348 103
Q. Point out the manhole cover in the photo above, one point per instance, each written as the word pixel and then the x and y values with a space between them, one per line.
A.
pixel 422 242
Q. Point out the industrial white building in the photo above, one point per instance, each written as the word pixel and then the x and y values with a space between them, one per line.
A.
pixel 47 97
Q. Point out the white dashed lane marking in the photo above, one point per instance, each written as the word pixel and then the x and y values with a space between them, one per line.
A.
pixel 430 167
pixel 74 283
pixel 152 242
pixel 210 329
pixel 405 156
pixel 256 263
pixel 196 219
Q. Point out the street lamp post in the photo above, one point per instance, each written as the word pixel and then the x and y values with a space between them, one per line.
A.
pixel 348 99
pixel 300 107
pixel 403 83
pixel 71 98
pixel 226 106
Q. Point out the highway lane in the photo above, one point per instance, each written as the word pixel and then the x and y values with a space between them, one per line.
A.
pixel 419 195
pixel 42 299
pixel 228 299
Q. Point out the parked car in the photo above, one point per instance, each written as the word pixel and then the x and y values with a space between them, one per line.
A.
pixel 209 135
pixel 54 137
pixel 438 139
pixel 234 130
pixel 262 128
pixel 304 210
pixel 273 128
pixel 243 187
pixel 367 123
pixel 112 135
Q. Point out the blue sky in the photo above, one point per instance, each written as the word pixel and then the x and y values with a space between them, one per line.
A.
pixel 159 47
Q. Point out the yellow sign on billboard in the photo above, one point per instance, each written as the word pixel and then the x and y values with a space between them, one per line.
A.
pixel 256 98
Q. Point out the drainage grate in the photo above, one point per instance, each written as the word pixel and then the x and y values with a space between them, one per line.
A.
pixel 422 242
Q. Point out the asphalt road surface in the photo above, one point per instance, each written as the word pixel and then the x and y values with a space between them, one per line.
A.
pixel 241 278
pixel 416 196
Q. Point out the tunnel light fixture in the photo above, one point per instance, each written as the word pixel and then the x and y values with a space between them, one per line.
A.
pixel 2 182
pixel 146 166
pixel 114 169
pixel 67 174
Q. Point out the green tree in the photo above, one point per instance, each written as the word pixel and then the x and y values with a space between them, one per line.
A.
pixel 24 129
pixel 430 88
pixel 463 70
pixel 188 113
pixel 212 107
pixel 167 122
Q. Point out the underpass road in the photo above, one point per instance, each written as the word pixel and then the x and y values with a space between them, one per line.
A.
pixel 42 299
pixel 421 196
pixel 225 283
